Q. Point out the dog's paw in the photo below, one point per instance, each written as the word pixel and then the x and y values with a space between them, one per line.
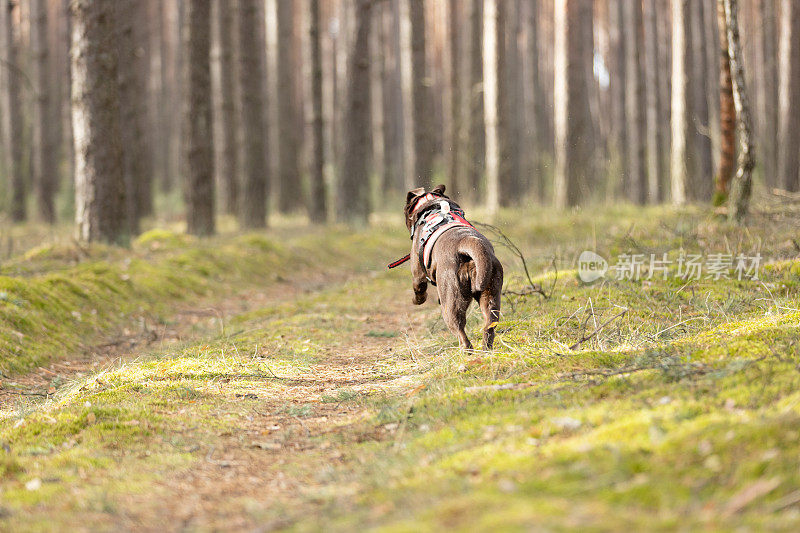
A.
pixel 419 298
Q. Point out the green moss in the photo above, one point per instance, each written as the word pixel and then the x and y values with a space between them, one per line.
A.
pixel 659 421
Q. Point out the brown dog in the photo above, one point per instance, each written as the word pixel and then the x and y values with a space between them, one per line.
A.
pixel 452 255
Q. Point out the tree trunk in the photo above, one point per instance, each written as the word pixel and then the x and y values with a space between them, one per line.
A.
pixel 636 185
pixel 727 156
pixel 618 83
pixel 290 191
pixel 317 204
pixel 174 15
pixel 790 96
pixel 573 122
pixel 228 164
pixel 402 104
pixel 391 100
pixel 422 106
pixel 495 91
pixel 136 156
pixel 742 183
pixel 44 152
pixel 455 101
pixel 712 49
pixel 514 112
pixel 540 129
pixel 99 185
pixel 352 199
pixel 197 116
pixel 477 131
pixel 67 143
pixel 664 10
pixel 681 152
pixel 655 145
pixel 12 111
pixel 768 109
pixel 702 179
pixel 251 81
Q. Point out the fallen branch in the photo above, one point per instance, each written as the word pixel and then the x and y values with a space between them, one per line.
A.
pixel 586 338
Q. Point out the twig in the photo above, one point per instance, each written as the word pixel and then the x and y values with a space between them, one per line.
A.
pixel 597 330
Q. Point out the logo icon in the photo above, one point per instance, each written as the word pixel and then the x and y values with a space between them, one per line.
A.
pixel 591 266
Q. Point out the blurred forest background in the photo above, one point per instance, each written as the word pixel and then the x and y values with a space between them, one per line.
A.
pixel 114 112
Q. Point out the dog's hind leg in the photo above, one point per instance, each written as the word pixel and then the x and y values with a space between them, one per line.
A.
pixel 490 308
pixel 454 312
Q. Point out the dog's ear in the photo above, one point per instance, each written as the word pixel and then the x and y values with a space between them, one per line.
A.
pixel 439 189
pixel 414 193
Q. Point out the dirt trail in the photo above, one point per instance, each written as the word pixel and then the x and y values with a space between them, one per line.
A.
pixel 145 335
pixel 264 474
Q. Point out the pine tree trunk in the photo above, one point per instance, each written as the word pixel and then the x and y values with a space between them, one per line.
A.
pixel 391 99
pixel 377 142
pixel 664 10
pixel 317 204
pixel 65 95
pixel 197 116
pixel 251 81
pixel 491 97
pixel 44 152
pixel 742 183
pixel 618 83
pixel 422 99
pixel 174 29
pixel 477 131
pixel 290 192
pixel 712 50
pixel 768 109
pixel 12 111
pixel 496 98
pixel 540 128
pixel 789 164
pixel 727 156
pixel 655 145
pixel 455 101
pixel 402 104
pixel 573 122
pixel 352 199
pixel 158 73
pixel 57 77
pixel 136 156
pixel 681 152
pixel 515 185
pixel 99 185
pixel 702 180
pixel 169 119
pixel 228 167
pixel 636 186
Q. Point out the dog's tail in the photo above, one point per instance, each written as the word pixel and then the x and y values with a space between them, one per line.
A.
pixel 474 248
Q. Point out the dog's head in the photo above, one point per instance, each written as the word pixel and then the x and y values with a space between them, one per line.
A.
pixel 418 197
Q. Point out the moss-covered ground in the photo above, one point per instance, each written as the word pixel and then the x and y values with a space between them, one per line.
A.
pixel 308 393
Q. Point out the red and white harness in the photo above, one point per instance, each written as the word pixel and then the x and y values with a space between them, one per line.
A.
pixel 433 222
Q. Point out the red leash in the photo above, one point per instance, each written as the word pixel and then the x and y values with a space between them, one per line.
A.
pixel 399 261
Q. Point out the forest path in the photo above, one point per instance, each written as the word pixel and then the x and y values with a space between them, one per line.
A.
pixel 188 323
pixel 288 449
pixel 248 404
